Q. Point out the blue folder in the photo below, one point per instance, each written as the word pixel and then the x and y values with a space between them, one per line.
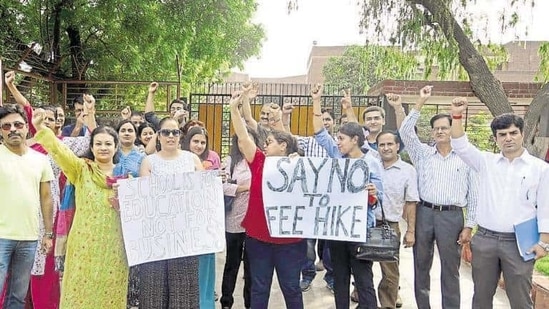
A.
pixel 527 235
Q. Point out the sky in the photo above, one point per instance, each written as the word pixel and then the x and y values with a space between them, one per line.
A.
pixel 289 37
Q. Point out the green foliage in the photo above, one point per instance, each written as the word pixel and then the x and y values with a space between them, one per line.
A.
pixel 361 67
pixel 414 27
pixel 133 39
pixel 543 74
pixel 479 132
pixel 542 265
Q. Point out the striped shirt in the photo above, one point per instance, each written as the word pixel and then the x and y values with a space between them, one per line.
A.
pixel 441 180
pixel 310 147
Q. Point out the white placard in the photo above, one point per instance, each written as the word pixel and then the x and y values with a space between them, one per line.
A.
pixel 320 198
pixel 165 217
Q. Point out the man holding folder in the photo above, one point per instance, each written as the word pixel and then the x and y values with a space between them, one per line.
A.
pixel 511 192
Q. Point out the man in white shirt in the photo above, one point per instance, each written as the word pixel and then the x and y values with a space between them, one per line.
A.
pixel 511 191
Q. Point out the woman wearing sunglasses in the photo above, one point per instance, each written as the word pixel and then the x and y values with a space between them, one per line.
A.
pixel 170 283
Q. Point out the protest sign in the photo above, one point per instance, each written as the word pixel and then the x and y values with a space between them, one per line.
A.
pixel 170 216
pixel 312 197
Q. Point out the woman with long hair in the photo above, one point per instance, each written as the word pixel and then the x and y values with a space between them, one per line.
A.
pixel 129 163
pixel 145 133
pixel 96 260
pixel 169 283
pixel 350 140
pixel 266 253
pixel 196 141
pixel 237 184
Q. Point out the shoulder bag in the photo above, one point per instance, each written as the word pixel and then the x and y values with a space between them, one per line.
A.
pixel 382 243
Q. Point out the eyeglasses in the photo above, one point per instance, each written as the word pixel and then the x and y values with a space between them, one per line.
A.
pixel 166 132
pixel 18 125
pixel 436 129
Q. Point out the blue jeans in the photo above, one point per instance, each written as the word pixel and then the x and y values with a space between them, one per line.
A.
pixel 287 259
pixel 308 271
pixel 17 258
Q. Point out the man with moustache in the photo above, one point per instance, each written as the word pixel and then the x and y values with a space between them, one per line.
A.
pixel 25 177
pixel 511 191
pixel 447 186
pixel 400 196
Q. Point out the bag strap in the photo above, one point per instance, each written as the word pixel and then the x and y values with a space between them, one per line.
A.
pixel 383 219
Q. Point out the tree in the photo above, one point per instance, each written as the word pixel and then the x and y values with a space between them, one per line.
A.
pixel 443 30
pixel 130 39
pixel 361 67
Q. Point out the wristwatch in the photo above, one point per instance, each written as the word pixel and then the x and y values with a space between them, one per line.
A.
pixel 545 246
pixel 49 235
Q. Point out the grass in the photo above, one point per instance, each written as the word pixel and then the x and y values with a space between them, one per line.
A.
pixel 542 265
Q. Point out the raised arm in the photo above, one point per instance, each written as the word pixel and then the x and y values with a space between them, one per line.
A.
pixel 347 106
pixel 245 142
pixel 150 115
pixel 89 112
pixel 69 163
pixel 316 94
pixel 151 146
pixel 249 92
pixel 407 132
pixel 287 110
pixel 396 102
pixel 275 117
pixel 10 82
pixel 465 150
pixel 149 104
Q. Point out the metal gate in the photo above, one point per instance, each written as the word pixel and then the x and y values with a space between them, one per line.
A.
pixel 211 106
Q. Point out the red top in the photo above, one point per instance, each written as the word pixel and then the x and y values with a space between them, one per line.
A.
pixel 255 222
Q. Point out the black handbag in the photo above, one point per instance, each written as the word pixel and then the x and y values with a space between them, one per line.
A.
pixel 382 243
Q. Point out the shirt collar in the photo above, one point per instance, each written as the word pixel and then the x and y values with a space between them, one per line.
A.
pixel 524 157
pixel 398 164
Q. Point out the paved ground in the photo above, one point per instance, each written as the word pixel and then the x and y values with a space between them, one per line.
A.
pixel 320 297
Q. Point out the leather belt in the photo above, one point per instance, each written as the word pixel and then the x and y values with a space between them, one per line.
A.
pixel 487 232
pixel 439 207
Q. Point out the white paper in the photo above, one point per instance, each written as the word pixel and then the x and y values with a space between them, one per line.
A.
pixel 165 217
pixel 320 198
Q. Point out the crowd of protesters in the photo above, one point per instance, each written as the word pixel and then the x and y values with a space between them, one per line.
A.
pixel 61 241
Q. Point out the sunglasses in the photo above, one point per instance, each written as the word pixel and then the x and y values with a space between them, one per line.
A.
pixel 166 132
pixel 18 125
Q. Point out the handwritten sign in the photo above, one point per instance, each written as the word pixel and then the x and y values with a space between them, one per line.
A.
pixel 316 197
pixel 165 217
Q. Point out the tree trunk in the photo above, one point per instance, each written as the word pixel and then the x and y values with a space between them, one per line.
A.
pixel 536 145
pixel 485 86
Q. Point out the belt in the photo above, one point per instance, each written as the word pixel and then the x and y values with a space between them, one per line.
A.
pixel 439 207
pixel 487 232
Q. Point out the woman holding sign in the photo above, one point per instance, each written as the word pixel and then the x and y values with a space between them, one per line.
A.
pixel 95 259
pixel 196 141
pixel 350 139
pixel 266 253
pixel 169 283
